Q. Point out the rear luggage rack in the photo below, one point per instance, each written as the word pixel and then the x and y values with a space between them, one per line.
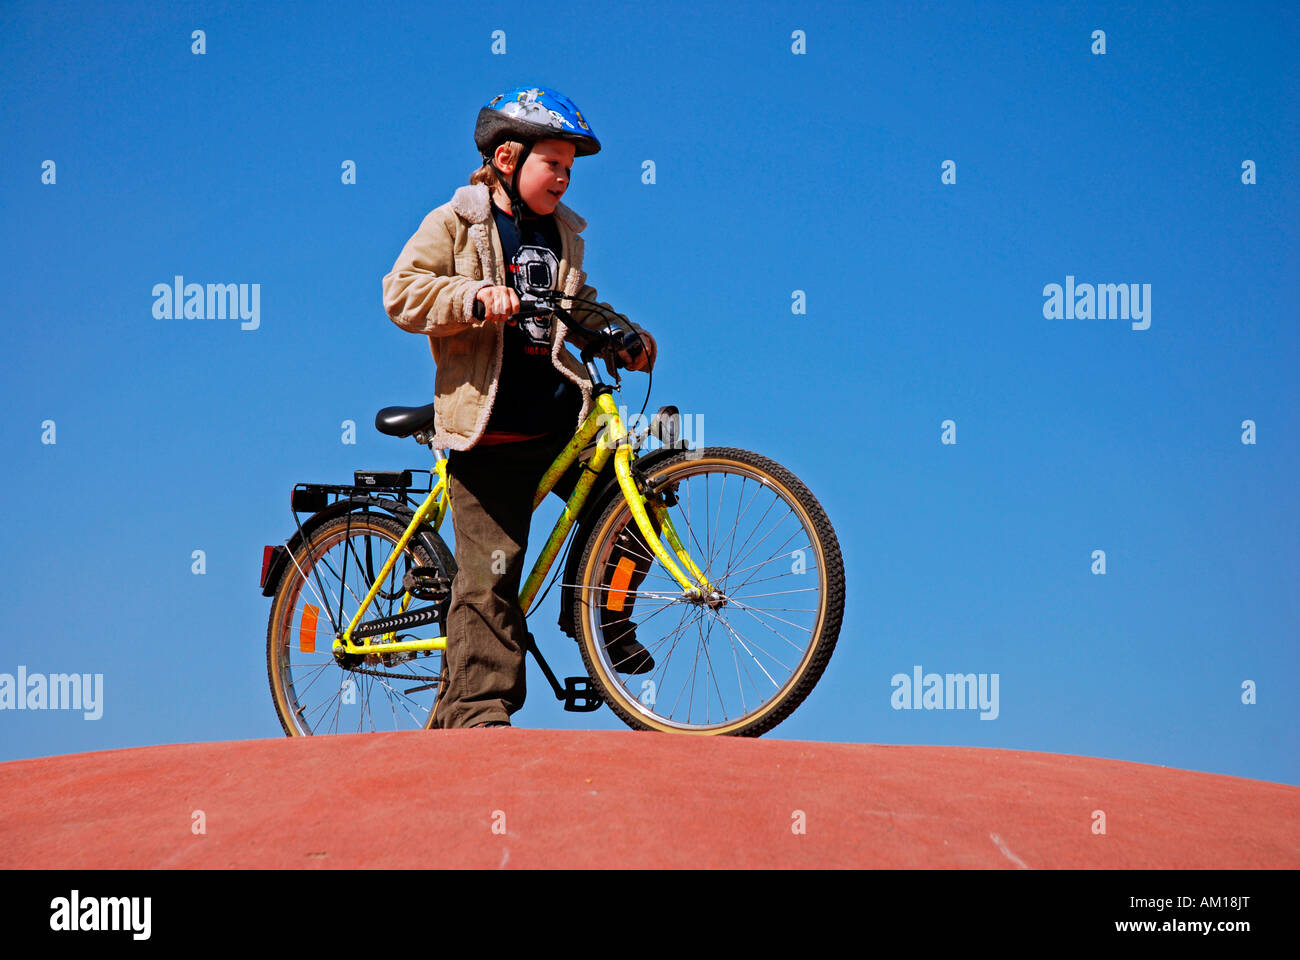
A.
pixel 314 497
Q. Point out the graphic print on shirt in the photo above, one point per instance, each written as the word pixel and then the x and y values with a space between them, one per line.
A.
pixel 533 270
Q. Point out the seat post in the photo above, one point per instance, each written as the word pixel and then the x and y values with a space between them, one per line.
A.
pixel 424 439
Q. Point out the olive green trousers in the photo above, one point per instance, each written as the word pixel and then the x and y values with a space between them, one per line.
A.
pixel 491 490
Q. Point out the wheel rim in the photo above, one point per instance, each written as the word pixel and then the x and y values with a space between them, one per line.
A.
pixel 318 695
pixel 721 669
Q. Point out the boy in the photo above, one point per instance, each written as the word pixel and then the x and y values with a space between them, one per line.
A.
pixel 508 397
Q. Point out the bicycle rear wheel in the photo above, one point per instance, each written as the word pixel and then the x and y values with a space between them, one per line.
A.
pixel 742 663
pixel 313 691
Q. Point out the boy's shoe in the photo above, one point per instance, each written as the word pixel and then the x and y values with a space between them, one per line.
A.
pixel 626 654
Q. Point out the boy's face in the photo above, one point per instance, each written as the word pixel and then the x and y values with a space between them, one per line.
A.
pixel 545 175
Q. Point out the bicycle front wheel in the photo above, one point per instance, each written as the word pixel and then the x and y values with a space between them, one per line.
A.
pixel 737 663
pixel 326 580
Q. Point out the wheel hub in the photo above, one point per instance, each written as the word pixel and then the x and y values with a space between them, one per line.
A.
pixel 713 599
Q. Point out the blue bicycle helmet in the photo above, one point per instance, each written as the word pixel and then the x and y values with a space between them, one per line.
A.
pixel 533 113
pixel 528 114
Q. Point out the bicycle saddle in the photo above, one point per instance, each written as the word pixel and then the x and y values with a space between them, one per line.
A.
pixel 404 421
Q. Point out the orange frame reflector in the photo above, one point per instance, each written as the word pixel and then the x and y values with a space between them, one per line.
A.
pixel 307 629
pixel 618 584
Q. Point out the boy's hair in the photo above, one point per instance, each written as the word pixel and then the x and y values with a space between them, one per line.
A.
pixel 484 174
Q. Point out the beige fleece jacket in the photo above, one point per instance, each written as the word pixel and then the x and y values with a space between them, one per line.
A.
pixel 431 290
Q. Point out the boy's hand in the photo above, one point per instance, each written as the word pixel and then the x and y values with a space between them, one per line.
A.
pixel 499 303
pixel 645 360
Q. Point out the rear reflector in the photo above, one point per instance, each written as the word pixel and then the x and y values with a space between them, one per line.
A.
pixel 268 552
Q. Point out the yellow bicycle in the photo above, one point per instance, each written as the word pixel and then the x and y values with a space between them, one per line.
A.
pixel 740 602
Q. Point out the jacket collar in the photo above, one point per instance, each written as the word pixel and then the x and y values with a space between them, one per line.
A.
pixel 472 202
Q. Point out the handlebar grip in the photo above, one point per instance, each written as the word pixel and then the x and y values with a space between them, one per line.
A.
pixel 527 308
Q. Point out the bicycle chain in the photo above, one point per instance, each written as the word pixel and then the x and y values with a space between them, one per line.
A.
pixel 433 681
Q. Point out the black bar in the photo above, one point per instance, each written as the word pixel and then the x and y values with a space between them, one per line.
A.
pixel 975 911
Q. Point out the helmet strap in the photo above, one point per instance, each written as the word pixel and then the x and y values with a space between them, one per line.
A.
pixel 517 205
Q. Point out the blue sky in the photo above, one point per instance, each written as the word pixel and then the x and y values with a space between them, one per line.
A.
pixel 775 172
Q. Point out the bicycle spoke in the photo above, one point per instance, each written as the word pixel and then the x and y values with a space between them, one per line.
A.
pixel 756 526
pixel 684 624
pixel 644 619
pixel 777 576
pixel 722 703
pixel 707 541
pixel 653 568
pixel 740 686
pixel 732 630
pixel 325 562
pixel 394 698
pixel 774 630
pixel 364 699
pixel 691 529
pixel 772 559
pixel 750 578
pixel 777 593
pixel 334 723
pixel 656 645
pixel 694 662
pixel 317 674
pixel 717 521
pixel 740 516
pixel 631 593
pixel 789 511
pixel 749 676
pixel 307 582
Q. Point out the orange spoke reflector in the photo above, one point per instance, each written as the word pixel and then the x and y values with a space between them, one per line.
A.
pixel 307 630
pixel 618 584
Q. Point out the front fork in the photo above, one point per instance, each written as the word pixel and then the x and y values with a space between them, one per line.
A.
pixel 696 585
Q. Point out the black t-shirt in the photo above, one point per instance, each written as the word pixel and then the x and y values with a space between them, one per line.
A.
pixel 532 396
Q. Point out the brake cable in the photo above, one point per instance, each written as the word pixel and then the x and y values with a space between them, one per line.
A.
pixel 598 308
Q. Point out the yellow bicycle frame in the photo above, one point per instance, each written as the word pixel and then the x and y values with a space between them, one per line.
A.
pixel 614 439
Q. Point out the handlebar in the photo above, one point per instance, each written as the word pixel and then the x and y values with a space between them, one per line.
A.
pixel 600 342
pixel 527 308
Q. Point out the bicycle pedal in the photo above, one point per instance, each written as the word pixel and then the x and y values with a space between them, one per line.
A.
pixel 426 583
pixel 580 696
